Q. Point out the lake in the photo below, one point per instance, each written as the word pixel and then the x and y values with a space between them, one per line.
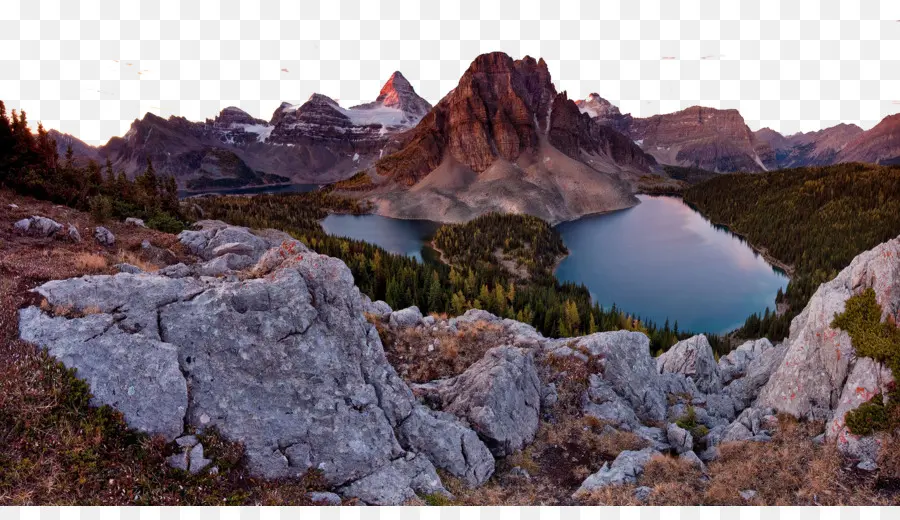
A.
pixel 403 237
pixel 252 190
pixel 659 259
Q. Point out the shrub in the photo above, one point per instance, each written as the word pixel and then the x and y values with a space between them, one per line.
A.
pixel 101 208
pixel 165 223
pixel 880 341
pixel 688 421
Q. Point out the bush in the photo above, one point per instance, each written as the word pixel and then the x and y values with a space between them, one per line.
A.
pixel 101 208
pixel 166 223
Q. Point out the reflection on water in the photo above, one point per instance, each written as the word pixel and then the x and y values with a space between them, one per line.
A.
pixel 404 237
pixel 661 259
pixel 252 190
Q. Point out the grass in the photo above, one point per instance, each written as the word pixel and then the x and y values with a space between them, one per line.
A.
pixel 90 262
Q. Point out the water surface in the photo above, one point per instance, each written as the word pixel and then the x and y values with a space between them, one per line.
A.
pixel 403 237
pixel 253 190
pixel 661 259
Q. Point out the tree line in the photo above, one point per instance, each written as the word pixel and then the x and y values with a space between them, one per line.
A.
pixel 30 165
pixel 814 219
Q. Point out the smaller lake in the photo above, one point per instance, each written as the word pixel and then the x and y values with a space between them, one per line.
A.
pixel 402 237
pixel 252 190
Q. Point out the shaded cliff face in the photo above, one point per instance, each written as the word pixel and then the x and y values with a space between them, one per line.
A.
pixel 317 141
pixel 879 145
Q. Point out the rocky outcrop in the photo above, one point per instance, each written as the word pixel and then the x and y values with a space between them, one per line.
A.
pixel 499 396
pixel 821 377
pixel 880 144
pixel 626 469
pixel 819 148
pixel 693 358
pixel 285 364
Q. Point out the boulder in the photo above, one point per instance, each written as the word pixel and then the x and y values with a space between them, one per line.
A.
pixel 755 374
pixel 693 358
pixel 734 364
pixel 867 379
pixel 131 221
pixel 409 317
pixel 679 438
pixel 73 233
pixel 208 237
pixel 37 226
pixel 448 444
pixel 285 364
pixel 499 396
pixel 693 460
pixel 157 255
pixel 810 382
pixel 104 237
pixel 626 469
pixel 128 268
pixel 753 424
pixel 324 498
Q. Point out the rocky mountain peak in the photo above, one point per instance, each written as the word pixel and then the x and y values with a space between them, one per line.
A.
pixel 233 115
pixel 398 93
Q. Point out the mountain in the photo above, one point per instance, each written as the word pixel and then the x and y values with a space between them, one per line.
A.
pixel 505 140
pixel 881 144
pixel 316 142
pixel 819 148
pixel 720 141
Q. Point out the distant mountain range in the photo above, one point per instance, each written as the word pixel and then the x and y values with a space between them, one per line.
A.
pixel 504 139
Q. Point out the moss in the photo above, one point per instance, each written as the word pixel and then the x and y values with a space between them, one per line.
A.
pixel 437 499
pixel 880 341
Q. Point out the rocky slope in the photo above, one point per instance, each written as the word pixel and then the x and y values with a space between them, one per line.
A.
pixel 266 342
pixel 505 140
pixel 318 141
pixel 818 148
pixel 880 145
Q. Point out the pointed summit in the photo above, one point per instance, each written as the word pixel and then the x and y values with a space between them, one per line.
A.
pixel 399 94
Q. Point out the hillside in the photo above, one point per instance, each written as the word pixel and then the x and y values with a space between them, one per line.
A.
pixel 814 219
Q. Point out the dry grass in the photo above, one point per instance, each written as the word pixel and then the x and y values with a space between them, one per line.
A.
pixel 128 257
pixel 90 262
pixel 451 354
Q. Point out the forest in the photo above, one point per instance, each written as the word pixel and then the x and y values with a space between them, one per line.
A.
pixel 814 219
pixel 471 281
pixel 30 165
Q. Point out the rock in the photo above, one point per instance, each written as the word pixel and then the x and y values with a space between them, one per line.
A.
pixel 810 380
pixel 748 494
pixel 549 395
pixel 208 237
pixel 236 248
pixel 753 424
pixel 104 237
pixel 627 367
pixel 603 403
pixel 693 459
pixel 131 221
pixel 409 317
pixel 679 438
pixel 225 264
pixel 157 255
pixel 499 396
pixel 324 498
pixel 448 444
pixel 518 473
pixel 197 462
pixel 819 439
pixel 176 271
pixel 866 379
pixel 187 441
pixel 37 226
pixel 73 233
pixel 755 374
pixel 693 358
pixel 133 373
pixel 178 461
pixel 397 482
pixel 626 469
pixel 128 268
pixel 734 364
pixel 867 465
pixel 316 389
pixel 378 308
pixel 428 321
pixel 642 493
pixel 13 206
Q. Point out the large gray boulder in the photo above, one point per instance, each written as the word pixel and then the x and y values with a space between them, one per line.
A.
pixel 448 444
pixel 404 318
pixel 810 382
pixel 37 226
pixel 627 367
pixel 734 364
pixel 286 364
pixel 626 469
pixel 104 237
pixel 693 358
pixel 499 396
pixel 680 439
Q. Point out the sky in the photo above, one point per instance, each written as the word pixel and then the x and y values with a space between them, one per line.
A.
pixel 91 67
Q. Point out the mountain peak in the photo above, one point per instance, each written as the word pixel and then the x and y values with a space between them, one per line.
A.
pixel 399 94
